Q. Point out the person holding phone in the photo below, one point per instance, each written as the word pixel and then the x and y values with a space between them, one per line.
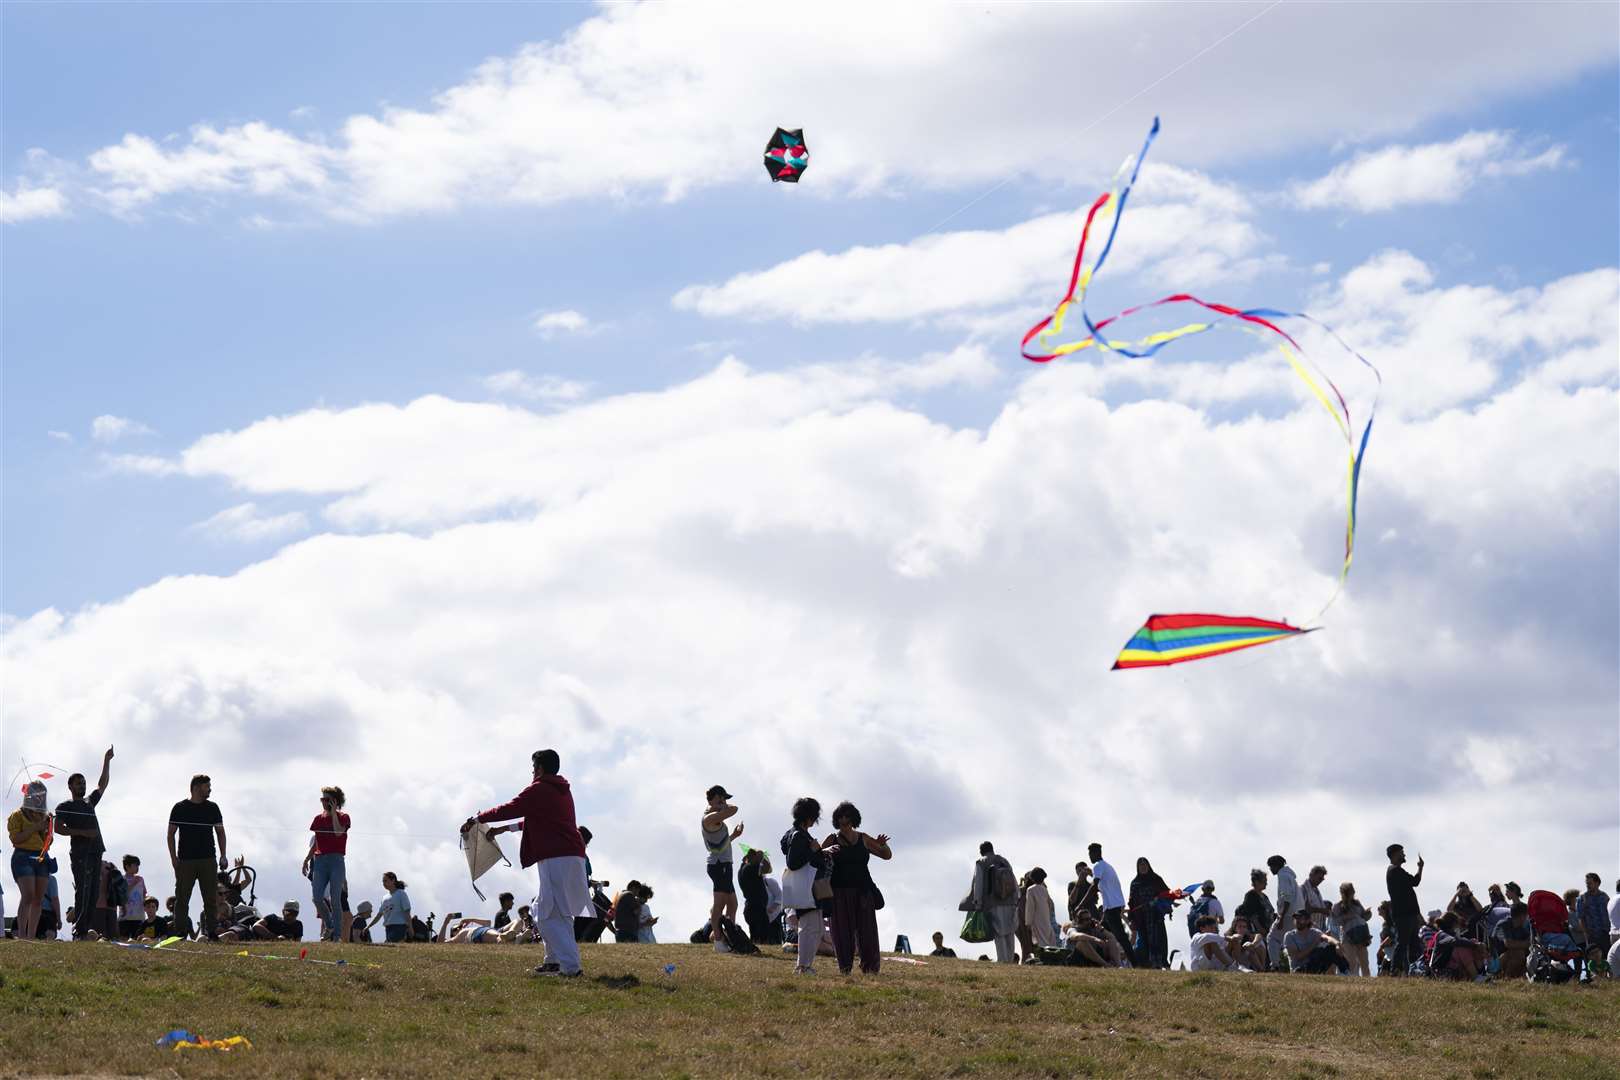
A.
pixel 1404 909
pixel 324 864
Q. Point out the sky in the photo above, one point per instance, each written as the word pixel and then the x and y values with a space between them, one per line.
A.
pixel 393 390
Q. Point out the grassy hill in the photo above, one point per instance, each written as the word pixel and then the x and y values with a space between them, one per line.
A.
pixel 469 1011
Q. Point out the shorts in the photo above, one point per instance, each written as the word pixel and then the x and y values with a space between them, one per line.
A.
pixel 394 932
pixel 27 864
pixel 478 933
pixel 720 875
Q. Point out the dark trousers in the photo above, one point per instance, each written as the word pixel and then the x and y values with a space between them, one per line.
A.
pixel 759 927
pixel 86 888
pixel 854 926
pixel 1323 957
pixel 1113 921
pixel 1407 947
pixel 199 872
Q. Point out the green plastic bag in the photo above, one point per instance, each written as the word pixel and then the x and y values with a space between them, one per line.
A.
pixel 976 928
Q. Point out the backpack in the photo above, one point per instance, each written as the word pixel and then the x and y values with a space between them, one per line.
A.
pixel 1003 882
pixel 627 914
pixel 420 931
pixel 1199 909
pixel 737 938
pixel 117 887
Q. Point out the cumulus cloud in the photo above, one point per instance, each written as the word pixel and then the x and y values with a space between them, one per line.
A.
pixel 244 523
pixel 1191 230
pixel 1398 176
pixel 656 101
pixel 27 203
pixel 553 323
pixel 793 564
pixel 549 388
pixel 109 429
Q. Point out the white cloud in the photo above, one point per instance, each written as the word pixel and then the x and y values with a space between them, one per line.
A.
pixel 1191 230
pixel 109 429
pixel 552 323
pixel 659 100
pixel 60 436
pixel 1415 175
pixel 788 563
pixel 252 158
pixel 245 524
pixel 28 203
pixel 548 388
pixel 141 464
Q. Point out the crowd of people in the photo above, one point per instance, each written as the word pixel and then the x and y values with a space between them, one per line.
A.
pixel 113 901
pixel 1295 929
pixel 825 903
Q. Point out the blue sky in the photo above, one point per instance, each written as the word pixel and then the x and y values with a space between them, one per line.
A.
pixel 196 305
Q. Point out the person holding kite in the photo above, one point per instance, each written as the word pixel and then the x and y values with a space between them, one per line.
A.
pixel 29 827
pixel 552 843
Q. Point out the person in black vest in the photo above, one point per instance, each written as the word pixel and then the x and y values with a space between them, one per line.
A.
pixel 77 818
pixel 855 895
pixel 1404 909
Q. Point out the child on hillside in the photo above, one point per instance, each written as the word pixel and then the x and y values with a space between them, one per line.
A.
pixel 133 912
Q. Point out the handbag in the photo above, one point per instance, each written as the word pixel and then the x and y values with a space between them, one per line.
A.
pixel 976 928
pixel 822 889
pixel 1358 934
pixel 875 893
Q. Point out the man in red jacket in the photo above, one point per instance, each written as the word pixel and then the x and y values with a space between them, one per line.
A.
pixel 551 839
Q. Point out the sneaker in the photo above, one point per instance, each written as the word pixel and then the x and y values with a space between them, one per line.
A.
pixel 547 969
pixel 557 973
pixel 720 946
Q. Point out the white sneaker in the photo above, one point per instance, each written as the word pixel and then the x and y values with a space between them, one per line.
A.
pixel 721 946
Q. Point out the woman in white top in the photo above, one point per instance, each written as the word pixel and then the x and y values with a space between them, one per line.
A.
pixel 1038 910
pixel 717 840
pixel 1354 933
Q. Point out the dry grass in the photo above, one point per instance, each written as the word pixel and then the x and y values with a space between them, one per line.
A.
pixel 464 1011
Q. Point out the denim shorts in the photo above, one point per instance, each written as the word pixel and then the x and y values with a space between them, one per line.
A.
pixel 27 864
pixel 394 931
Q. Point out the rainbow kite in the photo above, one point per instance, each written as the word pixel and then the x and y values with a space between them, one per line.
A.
pixel 1173 639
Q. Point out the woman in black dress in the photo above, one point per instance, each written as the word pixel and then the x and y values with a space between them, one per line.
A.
pixel 1153 944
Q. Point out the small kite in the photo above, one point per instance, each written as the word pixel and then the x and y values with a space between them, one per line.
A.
pixel 786 155
pixel 1174 639
pixel 483 852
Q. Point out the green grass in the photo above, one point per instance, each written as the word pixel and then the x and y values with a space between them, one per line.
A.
pixel 468 1011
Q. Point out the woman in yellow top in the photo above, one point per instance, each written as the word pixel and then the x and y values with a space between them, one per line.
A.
pixel 28 827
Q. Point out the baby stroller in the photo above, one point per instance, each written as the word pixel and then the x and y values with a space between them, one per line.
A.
pixel 1554 955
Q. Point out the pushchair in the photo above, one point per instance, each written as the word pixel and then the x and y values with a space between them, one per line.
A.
pixel 1555 957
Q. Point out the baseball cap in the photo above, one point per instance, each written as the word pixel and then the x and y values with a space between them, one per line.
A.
pixel 717 790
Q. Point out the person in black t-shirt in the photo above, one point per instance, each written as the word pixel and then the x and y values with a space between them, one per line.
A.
pixel 1403 908
pixel 76 818
pixel 940 948
pixel 196 822
pixel 503 916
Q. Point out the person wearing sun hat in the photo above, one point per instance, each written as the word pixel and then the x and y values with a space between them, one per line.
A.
pixel 29 828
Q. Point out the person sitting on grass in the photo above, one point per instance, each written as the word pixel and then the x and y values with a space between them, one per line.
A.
pixel 154 927
pixel 1457 956
pixel 645 934
pixel 1209 952
pixel 625 914
pixel 359 934
pixel 1246 946
pixel 1088 932
pixel 459 931
pixel 504 915
pixel 939 946
pixel 1512 941
pixel 1310 951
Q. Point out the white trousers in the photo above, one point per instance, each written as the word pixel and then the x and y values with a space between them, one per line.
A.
pixel 1006 949
pixel 811 927
pixel 563 894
